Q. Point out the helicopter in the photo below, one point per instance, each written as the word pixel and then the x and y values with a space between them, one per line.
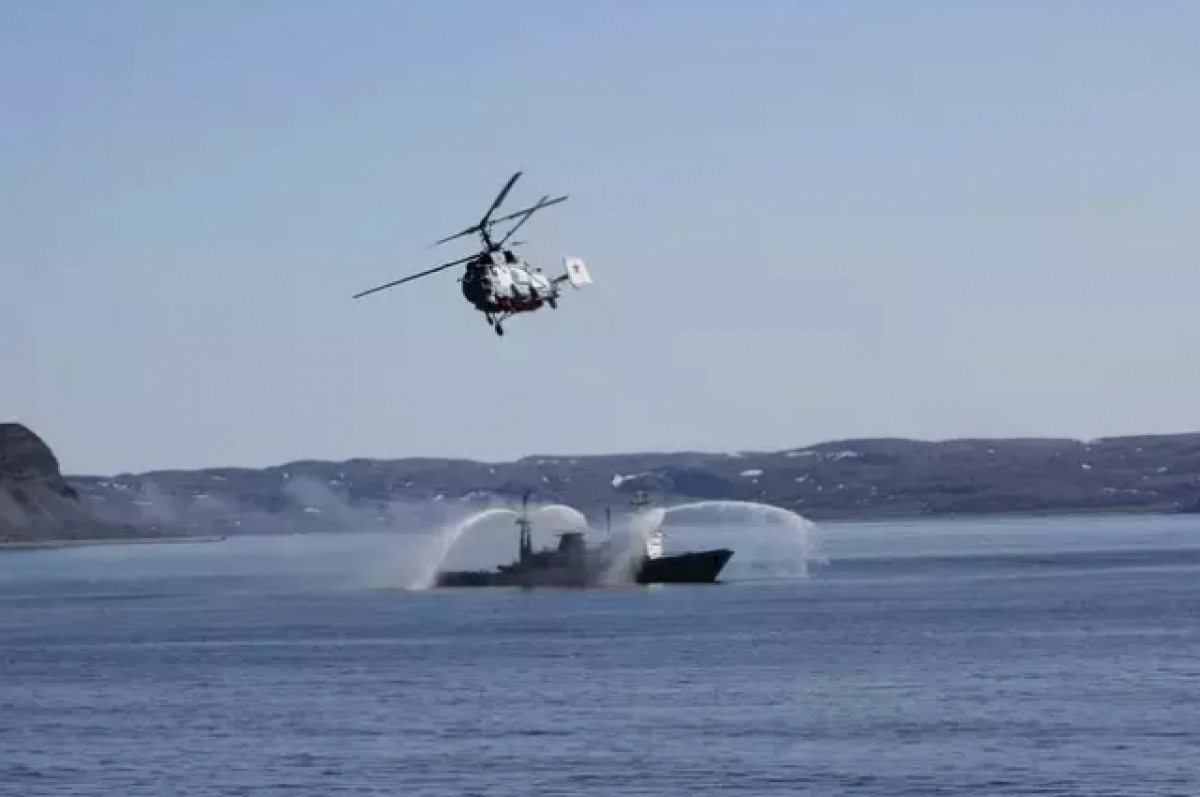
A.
pixel 496 281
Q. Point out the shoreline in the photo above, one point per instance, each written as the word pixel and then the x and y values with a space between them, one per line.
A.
pixel 1024 514
pixel 833 519
pixel 41 545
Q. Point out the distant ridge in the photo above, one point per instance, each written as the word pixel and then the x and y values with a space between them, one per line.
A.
pixel 845 479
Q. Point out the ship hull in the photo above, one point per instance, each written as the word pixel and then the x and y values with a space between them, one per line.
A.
pixel 696 567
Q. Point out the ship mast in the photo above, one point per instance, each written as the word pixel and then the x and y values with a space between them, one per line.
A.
pixel 525 526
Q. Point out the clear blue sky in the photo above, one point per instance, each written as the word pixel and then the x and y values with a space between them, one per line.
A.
pixel 805 221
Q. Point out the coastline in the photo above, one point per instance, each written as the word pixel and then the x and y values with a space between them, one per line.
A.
pixel 50 544
pixel 833 519
pixel 1022 514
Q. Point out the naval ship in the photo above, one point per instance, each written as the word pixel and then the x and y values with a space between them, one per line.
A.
pixel 573 564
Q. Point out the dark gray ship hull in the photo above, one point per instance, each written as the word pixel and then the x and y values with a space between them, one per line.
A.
pixel 697 567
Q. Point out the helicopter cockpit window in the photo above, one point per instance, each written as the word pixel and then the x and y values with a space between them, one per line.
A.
pixel 509 257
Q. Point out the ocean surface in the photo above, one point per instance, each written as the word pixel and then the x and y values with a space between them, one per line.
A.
pixel 1022 657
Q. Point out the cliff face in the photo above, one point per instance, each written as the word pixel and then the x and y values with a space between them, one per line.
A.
pixel 25 457
pixel 36 503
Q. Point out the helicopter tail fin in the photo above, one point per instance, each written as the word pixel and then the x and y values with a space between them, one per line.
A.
pixel 576 272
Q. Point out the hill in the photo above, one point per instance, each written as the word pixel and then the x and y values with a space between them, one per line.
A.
pixel 37 503
pixel 873 478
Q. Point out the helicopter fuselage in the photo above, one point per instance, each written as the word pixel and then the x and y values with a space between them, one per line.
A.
pixel 501 283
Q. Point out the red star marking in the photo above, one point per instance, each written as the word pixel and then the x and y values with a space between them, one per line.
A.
pixel 576 267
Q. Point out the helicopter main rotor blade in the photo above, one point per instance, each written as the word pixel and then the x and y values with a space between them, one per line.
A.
pixel 469 231
pixel 524 218
pixel 416 276
pixel 529 211
pixel 542 203
pixel 484 223
pixel 499 199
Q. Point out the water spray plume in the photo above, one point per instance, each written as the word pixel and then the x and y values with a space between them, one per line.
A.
pixel 445 542
pixel 800 534
pixel 567 516
pixel 628 547
pixel 560 514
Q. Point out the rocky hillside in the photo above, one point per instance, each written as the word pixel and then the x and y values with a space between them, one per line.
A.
pixel 36 502
pixel 846 479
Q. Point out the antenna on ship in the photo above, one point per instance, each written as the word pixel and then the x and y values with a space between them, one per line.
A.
pixel 525 526
pixel 608 521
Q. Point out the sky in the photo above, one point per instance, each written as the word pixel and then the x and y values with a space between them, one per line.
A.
pixel 805 221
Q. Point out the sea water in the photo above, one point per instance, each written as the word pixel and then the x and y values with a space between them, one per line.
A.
pixel 1042 657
